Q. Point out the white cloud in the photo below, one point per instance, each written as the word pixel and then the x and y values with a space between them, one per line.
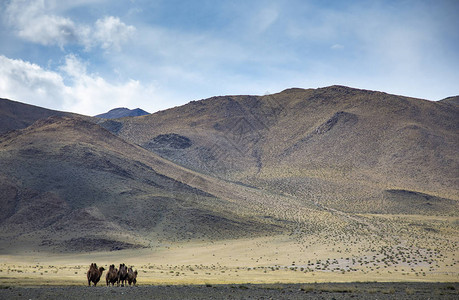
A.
pixel 73 67
pixel 32 23
pixel 37 21
pixel 92 93
pixel 28 82
pixel 84 93
pixel 110 32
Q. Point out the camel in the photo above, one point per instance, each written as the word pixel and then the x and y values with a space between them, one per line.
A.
pixel 112 275
pixel 94 274
pixel 122 275
pixel 132 276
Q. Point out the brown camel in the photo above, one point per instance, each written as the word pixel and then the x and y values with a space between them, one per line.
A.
pixel 132 276
pixel 122 275
pixel 112 275
pixel 94 274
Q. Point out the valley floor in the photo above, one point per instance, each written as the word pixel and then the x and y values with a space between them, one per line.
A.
pixel 266 260
pixel 404 256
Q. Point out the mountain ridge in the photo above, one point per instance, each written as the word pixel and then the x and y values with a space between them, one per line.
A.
pixel 451 100
pixel 16 115
pixel 330 122
pixel 122 112
pixel 227 167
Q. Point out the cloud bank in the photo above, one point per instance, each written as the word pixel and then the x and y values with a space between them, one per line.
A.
pixel 34 21
pixel 72 89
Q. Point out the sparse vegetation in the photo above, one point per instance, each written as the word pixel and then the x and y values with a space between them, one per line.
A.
pixel 332 184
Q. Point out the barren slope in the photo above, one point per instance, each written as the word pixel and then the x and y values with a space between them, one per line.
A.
pixel 16 115
pixel 69 184
pixel 337 146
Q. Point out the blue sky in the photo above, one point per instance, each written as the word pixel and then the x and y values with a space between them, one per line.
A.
pixel 90 56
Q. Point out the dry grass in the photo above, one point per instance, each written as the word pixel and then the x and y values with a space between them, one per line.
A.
pixel 302 189
pixel 281 259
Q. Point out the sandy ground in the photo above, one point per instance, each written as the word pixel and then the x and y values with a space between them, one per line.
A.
pixel 256 261
pixel 275 267
pixel 274 291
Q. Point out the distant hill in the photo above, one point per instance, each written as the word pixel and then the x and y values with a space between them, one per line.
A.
pixel 122 112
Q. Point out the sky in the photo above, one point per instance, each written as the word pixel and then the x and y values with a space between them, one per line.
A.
pixel 89 56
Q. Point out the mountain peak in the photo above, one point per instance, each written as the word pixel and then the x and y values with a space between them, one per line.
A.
pixel 122 112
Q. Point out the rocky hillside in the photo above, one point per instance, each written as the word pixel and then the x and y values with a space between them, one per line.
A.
pixel 17 115
pixel 345 147
pixel 69 185
pixel 299 162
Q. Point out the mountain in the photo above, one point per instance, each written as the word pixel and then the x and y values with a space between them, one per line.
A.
pixel 122 112
pixel 17 115
pixel 303 164
pixel 70 185
pixel 342 147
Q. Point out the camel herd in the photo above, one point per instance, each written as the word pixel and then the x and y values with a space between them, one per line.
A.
pixel 123 275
